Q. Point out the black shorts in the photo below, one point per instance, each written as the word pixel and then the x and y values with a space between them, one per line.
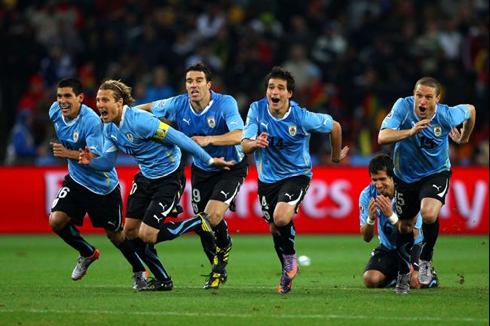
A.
pixel 104 211
pixel 291 190
pixel 408 196
pixel 153 200
pixel 386 261
pixel 222 186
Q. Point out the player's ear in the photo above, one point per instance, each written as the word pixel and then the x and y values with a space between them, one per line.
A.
pixel 438 98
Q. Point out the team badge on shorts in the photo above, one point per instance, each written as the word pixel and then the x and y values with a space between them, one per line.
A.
pixel 211 122
pixel 437 131
pixel 292 130
pixel 130 136
pixel 75 136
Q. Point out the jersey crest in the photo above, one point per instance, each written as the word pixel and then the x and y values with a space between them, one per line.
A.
pixel 130 136
pixel 211 122
pixel 437 131
pixel 76 134
pixel 292 130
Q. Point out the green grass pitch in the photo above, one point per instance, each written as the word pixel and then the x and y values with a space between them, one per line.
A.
pixel 36 288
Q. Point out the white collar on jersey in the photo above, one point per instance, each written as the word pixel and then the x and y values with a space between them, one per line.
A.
pixel 121 123
pixel 285 114
pixel 73 121
pixel 203 110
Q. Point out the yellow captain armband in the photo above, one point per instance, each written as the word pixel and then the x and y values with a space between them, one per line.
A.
pixel 161 131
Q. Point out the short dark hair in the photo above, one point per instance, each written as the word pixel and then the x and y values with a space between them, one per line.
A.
pixel 381 162
pixel 281 73
pixel 430 82
pixel 73 83
pixel 199 66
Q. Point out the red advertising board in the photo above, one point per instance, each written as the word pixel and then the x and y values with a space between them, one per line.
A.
pixel 331 205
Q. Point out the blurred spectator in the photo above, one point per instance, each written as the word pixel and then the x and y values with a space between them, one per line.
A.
pixel 159 87
pixel 22 149
pixel 351 59
pixel 299 65
pixel 30 100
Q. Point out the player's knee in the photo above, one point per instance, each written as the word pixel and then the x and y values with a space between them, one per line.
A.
pixel 116 238
pixel 371 281
pixel 428 216
pixel 215 218
pixel 131 233
pixel 281 220
pixel 148 237
pixel 57 221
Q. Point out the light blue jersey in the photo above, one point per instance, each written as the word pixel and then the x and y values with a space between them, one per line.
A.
pixel 427 152
pixel 219 117
pixel 84 130
pixel 288 153
pixel 386 231
pixel 153 144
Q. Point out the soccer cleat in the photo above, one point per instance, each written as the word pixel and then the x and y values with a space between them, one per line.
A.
pixel 224 276
pixel 425 271
pixel 403 283
pixel 140 280
pixel 158 285
pixel 290 266
pixel 82 265
pixel 435 280
pixel 221 258
pixel 205 222
pixel 214 280
pixel 284 285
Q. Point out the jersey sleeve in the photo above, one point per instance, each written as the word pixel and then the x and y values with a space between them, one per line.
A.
pixel 233 119
pixel 147 125
pixel 395 118
pixel 95 137
pixel 166 108
pixel 317 122
pixel 52 110
pixel 252 124
pixel 457 115
pixel 364 199
pixel 107 160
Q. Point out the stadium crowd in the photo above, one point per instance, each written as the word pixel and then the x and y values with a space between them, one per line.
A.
pixel 351 59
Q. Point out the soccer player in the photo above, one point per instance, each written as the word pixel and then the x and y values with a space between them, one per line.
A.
pixel 156 190
pixel 376 200
pixel 85 190
pixel 420 126
pixel 212 120
pixel 278 130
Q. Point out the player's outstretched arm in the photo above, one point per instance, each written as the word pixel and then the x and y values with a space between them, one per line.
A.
pixel 220 163
pixel 464 136
pixel 85 156
pixel 106 162
pixel 229 139
pixel 61 151
pixel 388 135
pixel 145 107
pixel 250 145
pixel 338 153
